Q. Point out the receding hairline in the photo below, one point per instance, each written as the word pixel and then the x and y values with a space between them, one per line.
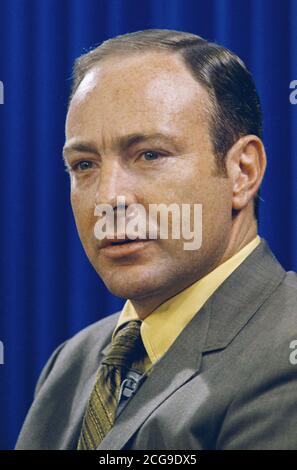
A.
pixel 150 40
pixel 126 55
pixel 118 57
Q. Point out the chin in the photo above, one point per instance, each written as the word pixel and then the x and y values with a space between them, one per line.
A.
pixel 131 287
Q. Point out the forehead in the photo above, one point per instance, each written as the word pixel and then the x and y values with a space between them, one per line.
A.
pixel 155 90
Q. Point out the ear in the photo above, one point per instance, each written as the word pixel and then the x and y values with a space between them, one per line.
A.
pixel 246 164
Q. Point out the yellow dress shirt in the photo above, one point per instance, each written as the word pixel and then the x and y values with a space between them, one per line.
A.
pixel 161 328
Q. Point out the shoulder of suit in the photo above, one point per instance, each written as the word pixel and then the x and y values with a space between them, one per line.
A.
pixel 288 291
pixel 84 344
pixel 288 287
pixel 93 337
pixel 281 308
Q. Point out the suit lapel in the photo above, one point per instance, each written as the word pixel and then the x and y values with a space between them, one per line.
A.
pixel 220 319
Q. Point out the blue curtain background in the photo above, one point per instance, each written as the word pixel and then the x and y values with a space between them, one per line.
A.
pixel 48 289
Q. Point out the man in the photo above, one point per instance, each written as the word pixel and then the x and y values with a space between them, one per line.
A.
pixel 199 358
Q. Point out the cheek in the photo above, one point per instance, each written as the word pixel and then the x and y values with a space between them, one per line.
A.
pixel 83 210
pixel 82 194
pixel 217 210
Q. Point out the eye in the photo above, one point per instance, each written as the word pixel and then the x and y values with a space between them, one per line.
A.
pixel 151 155
pixel 83 165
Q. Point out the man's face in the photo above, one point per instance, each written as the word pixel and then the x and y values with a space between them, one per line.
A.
pixel 154 96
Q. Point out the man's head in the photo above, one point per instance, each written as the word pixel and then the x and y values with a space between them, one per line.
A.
pixel 164 117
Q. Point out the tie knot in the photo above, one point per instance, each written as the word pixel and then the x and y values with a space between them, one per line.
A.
pixel 126 346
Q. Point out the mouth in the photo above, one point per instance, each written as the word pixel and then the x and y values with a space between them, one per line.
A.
pixel 117 248
pixel 121 242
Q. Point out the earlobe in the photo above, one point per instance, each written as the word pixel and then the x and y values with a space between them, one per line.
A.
pixel 246 167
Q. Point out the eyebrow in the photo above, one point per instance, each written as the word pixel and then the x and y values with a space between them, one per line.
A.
pixel 123 143
pixel 78 147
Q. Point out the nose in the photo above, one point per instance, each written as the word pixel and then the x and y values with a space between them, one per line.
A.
pixel 114 182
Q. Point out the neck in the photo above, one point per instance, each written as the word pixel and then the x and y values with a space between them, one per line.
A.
pixel 244 230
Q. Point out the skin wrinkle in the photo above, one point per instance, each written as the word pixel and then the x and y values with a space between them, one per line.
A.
pixel 154 93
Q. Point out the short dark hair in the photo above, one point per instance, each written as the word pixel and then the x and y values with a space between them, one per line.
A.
pixel 236 109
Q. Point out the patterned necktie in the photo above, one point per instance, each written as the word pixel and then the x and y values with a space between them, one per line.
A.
pixel 125 350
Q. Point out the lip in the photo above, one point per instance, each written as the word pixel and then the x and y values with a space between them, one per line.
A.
pixel 118 251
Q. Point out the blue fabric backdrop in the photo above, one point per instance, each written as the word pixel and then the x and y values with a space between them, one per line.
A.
pixel 48 289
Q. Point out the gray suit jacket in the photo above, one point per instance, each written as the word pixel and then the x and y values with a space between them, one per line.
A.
pixel 227 382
